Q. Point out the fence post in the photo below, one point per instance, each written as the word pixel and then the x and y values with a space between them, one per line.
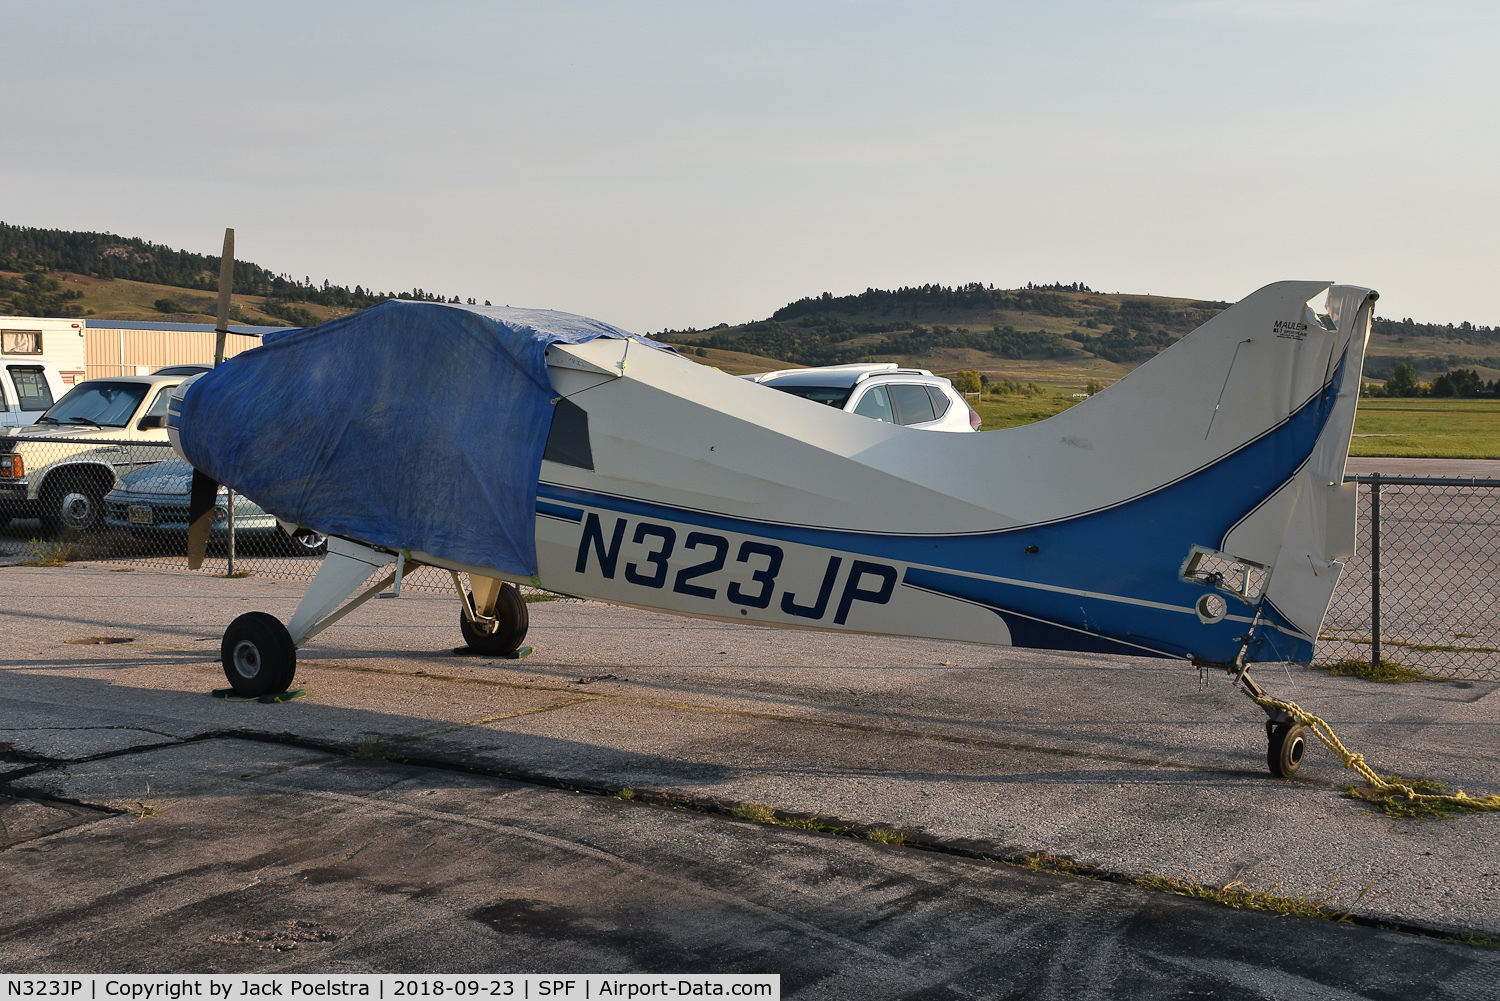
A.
pixel 1375 570
pixel 230 570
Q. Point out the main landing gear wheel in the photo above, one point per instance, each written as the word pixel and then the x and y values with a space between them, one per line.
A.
pixel 259 655
pixel 1285 748
pixel 506 633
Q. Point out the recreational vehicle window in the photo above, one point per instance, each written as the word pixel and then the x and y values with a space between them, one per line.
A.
pixel 31 387
pixel 20 342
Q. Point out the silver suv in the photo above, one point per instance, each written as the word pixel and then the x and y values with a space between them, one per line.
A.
pixel 53 471
pixel 881 391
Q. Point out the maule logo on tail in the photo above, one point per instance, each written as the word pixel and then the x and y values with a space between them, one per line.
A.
pixel 1297 331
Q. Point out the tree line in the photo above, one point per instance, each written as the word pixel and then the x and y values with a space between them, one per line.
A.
pixel 1460 382
pixel 104 255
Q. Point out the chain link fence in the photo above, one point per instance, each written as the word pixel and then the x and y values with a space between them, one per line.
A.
pixel 107 500
pixel 1419 593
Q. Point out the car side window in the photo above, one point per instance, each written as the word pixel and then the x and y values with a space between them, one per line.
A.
pixel 875 403
pixel 913 406
pixel 159 405
pixel 940 401
pixel 31 387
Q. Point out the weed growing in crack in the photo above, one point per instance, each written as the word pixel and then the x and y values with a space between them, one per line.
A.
pixel 376 749
pixel 1386 672
pixel 47 553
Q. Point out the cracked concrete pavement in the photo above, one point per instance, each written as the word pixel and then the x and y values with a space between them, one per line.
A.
pixel 1121 763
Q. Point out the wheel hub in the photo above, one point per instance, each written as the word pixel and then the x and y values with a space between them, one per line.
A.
pixel 77 509
pixel 246 659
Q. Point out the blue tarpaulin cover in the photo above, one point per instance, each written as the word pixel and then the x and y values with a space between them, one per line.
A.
pixel 409 425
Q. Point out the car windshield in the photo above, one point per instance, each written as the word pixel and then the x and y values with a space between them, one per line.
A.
pixel 834 396
pixel 100 403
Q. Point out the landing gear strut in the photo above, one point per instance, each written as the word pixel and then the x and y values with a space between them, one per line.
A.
pixel 494 618
pixel 260 654
pixel 1286 739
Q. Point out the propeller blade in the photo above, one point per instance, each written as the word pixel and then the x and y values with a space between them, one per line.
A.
pixel 201 503
pixel 226 286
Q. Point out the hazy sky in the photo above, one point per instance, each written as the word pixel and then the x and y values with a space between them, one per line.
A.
pixel 676 164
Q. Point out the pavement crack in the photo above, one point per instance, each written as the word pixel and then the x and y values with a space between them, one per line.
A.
pixel 481 721
pixel 812 721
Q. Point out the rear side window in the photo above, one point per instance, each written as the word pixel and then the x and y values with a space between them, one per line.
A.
pixel 875 403
pixel 31 387
pixel 940 401
pixel 913 405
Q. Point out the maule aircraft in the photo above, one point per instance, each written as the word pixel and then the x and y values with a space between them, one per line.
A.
pixel 1195 509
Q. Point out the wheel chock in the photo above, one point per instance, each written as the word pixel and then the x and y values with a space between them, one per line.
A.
pixel 229 695
pixel 525 651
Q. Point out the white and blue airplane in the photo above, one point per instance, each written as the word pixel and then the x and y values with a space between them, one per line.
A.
pixel 1195 509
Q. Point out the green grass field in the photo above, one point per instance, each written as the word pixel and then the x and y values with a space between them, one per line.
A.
pixel 1420 427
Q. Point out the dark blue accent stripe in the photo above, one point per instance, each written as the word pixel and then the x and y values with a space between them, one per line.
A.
pixel 558 511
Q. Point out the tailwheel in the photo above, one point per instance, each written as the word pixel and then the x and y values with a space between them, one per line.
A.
pixel 501 632
pixel 1286 747
pixel 259 655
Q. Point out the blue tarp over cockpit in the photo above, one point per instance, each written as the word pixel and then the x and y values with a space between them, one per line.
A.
pixel 409 425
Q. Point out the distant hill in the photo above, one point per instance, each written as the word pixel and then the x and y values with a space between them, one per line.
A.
pixel 1062 333
pixel 31 255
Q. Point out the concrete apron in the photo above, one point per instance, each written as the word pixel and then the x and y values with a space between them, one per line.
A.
pixel 1116 762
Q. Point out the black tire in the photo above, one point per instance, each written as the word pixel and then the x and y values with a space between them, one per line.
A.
pixel 258 654
pixel 510 631
pixel 305 543
pixel 72 503
pixel 1286 749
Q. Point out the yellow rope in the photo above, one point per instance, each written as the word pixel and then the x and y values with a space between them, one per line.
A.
pixel 1357 762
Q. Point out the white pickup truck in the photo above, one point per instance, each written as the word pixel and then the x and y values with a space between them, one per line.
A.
pixel 51 470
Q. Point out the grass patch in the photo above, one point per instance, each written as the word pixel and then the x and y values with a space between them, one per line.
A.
pixel 1387 672
pixel 1481 939
pixel 762 814
pixel 237 574
pixel 48 553
pixel 1234 894
pixel 532 597
pixel 1014 411
pixel 1395 804
pixel 627 794
pixel 1424 427
pixel 1237 895
pixel 374 749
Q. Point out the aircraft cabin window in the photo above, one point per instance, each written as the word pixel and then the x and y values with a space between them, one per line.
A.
pixel 912 404
pixel 875 403
pixel 940 401
pixel 31 387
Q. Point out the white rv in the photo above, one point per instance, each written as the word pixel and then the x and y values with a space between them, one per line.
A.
pixel 39 359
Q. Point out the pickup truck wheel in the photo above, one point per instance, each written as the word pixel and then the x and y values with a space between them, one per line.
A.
pixel 74 504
